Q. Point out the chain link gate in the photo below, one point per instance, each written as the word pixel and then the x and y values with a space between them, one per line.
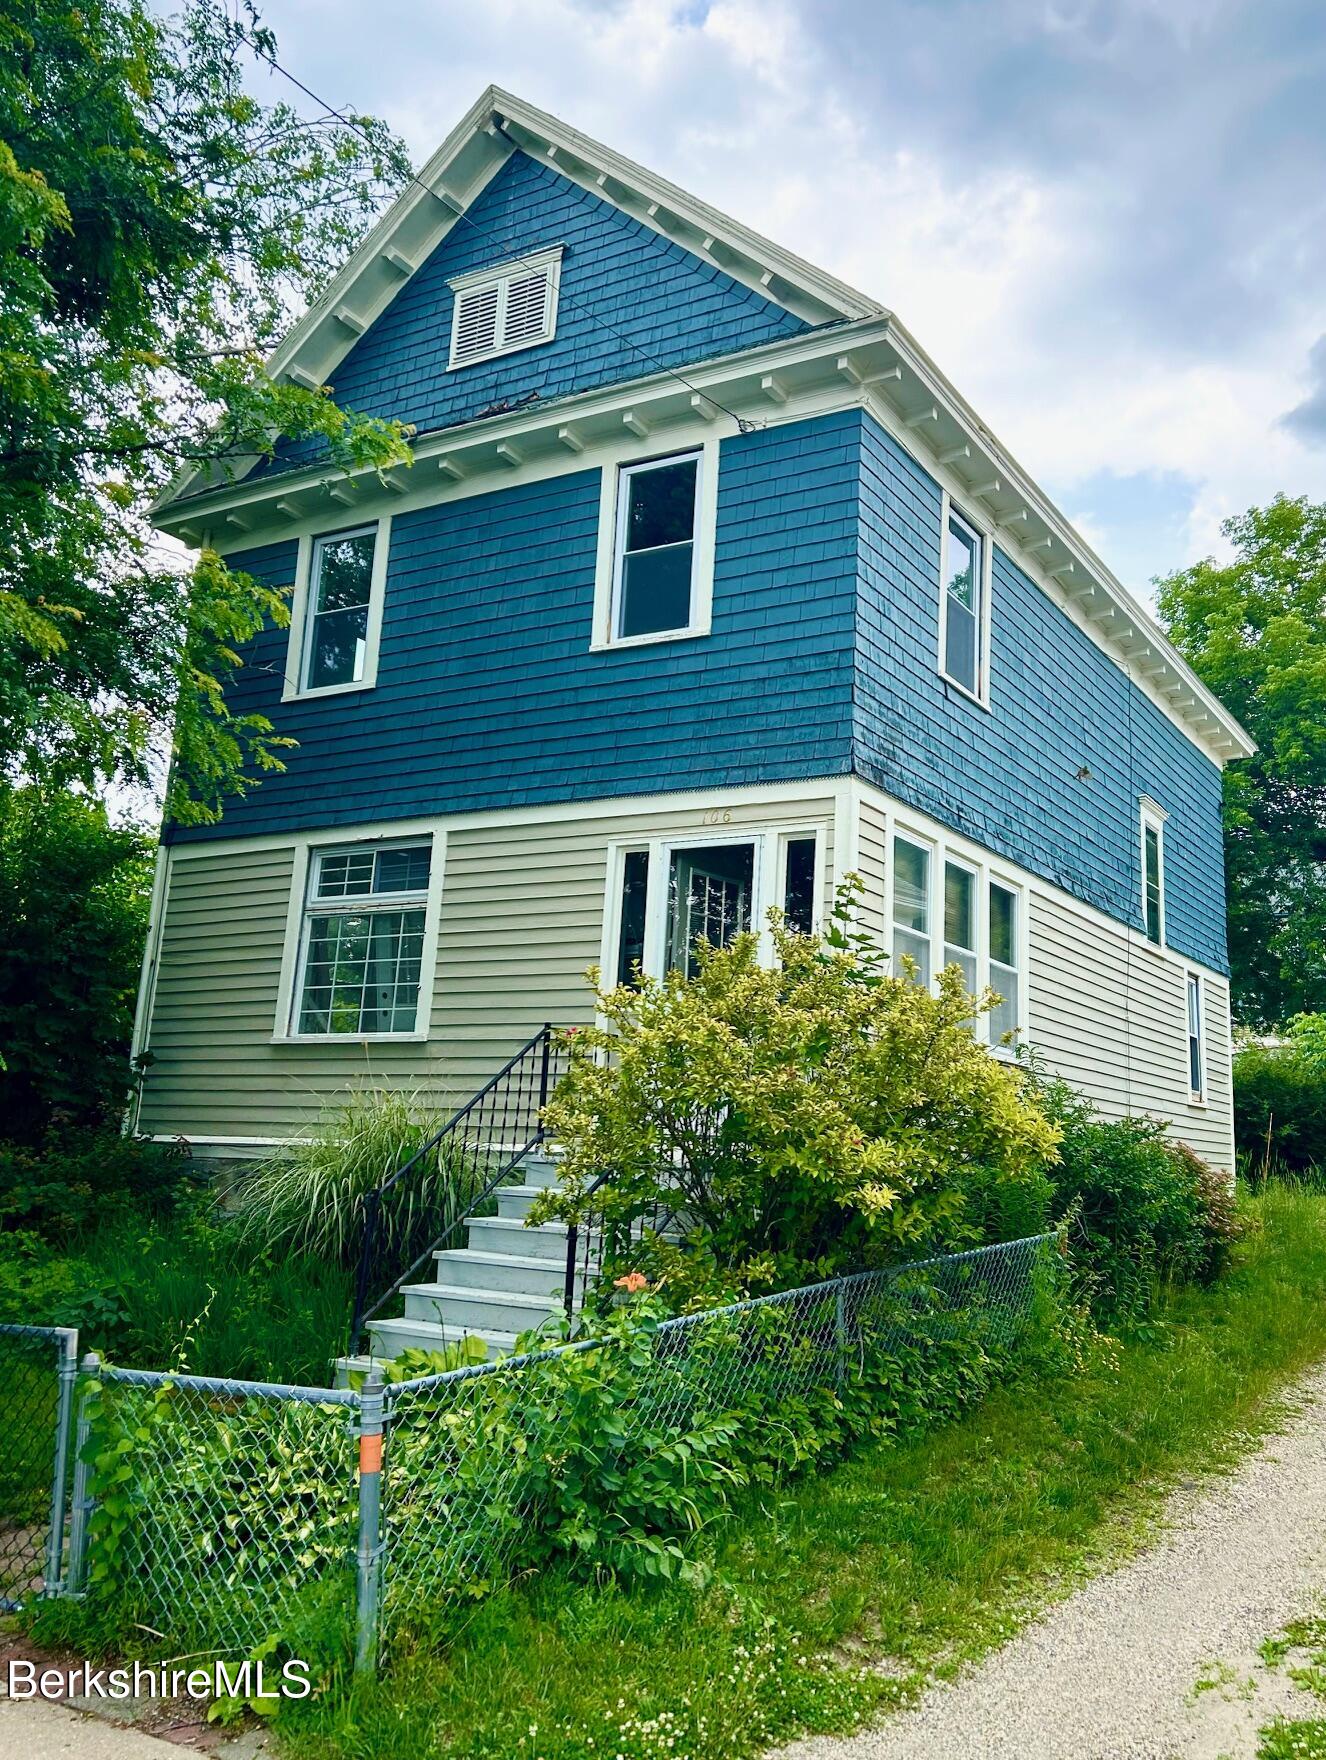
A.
pixel 38 1365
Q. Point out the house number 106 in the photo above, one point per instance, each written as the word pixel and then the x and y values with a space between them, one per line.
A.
pixel 717 816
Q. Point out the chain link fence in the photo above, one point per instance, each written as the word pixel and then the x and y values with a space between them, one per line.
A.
pixel 221 1515
pixel 37 1369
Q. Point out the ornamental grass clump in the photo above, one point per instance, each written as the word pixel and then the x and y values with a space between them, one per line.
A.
pixel 308 1196
pixel 814 1115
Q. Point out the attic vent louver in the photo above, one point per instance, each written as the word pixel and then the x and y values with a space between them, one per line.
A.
pixel 500 310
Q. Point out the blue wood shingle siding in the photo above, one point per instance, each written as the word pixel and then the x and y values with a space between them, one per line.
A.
pixel 488 696
pixel 666 306
pixel 1009 778
pixel 822 659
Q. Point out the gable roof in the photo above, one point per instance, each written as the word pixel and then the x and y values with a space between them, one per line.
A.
pixel 857 342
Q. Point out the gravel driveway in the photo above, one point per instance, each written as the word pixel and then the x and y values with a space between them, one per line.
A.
pixel 1110 1673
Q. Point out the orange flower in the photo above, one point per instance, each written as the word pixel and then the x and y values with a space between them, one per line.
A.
pixel 632 1283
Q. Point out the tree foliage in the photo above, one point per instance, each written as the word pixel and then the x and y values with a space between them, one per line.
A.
pixel 1254 630
pixel 159 225
pixel 815 1115
pixel 74 895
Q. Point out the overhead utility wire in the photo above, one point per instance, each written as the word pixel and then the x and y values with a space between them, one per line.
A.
pixel 744 424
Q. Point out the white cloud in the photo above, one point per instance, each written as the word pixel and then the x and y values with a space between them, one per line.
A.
pixel 1016 276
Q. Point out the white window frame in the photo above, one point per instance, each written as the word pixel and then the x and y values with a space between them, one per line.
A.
pixel 290 989
pixel 1151 817
pixel 942 850
pixel 983 533
pixel 298 646
pixel 1193 985
pixel 608 563
pixel 500 276
pixel 769 879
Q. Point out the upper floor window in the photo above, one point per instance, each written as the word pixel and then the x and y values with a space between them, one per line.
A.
pixel 657 526
pixel 337 615
pixel 1153 872
pixel 963 608
pixel 362 940
pixel 499 310
pixel 340 589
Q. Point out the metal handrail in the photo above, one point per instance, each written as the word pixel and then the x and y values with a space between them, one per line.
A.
pixel 364 1307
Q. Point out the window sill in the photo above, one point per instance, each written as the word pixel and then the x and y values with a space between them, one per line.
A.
pixel 667 635
pixel 347 1038
pixel 329 690
pixel 971 696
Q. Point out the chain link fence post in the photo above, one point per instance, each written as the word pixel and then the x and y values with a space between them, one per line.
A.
pixel 840 1330
pixel 369 1553
pixel 64 1407
pixel 81 1501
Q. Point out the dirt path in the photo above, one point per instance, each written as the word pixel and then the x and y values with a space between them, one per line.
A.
pixel 1113 1672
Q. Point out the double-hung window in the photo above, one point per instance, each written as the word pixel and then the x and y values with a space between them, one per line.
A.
pixel 362 940
pixel 338 610
pixel 658 512
pixel 1153 873
pixel 1004 961
pixel 960 921
pixel 911 906
pixel 1196 1045
pixel 962 617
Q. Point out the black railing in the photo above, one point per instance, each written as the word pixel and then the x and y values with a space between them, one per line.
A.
pixel 421 1206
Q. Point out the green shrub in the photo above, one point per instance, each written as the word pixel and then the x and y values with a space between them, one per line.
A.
pixel 808 1116
pixel 75 1180
pixel 1280 1101
pixel 1140 1209
pixel 308 1196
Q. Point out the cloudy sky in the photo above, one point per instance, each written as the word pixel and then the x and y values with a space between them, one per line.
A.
pixel 1105 219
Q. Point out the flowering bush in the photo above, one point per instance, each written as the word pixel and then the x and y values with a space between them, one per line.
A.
pixel 808 1116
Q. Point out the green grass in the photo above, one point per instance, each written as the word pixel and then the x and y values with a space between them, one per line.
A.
pixel 840 1594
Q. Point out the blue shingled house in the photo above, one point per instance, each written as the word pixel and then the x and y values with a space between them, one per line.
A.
pixel 705 588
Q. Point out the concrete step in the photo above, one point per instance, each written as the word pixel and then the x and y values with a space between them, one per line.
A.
pixel 461 1309
pixel 388 1338
pixel 538 1169
pixel 526 1274
pixel 514 1202
pixel 504 1234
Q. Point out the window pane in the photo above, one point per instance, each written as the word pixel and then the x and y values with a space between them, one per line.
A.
pixel 1004 1014
pixel 960 647
pixel 345 873
pixel 709 898
pixel 338 647
pixel 361 972
pixel 911 886
pixel 403 870
pixel 656 591
pixel 345 571
pixel 660 505
pixel 963 567
pixel 1195 1072
pixel 1151 841
pixel 631 936
pixel 1003 926
pixel 799 888
pixel 918 947
pixel 959 907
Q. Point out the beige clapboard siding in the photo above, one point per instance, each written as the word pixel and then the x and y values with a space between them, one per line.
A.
pixel 521 919
pixel 1109 1013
